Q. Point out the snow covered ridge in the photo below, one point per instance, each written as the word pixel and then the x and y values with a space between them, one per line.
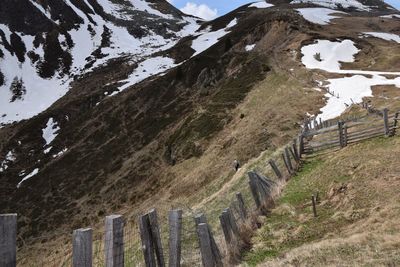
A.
pixel 158 65
pixel 31 81
pixel 333 4
pixel 327 55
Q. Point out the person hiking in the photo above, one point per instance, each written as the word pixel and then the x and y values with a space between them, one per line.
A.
pixel 236 165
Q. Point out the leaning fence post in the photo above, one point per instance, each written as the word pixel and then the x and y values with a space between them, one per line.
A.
pixel 232 222
pixel 289 161
pixel 8 240
pixel 175 233
pixel 254 190
pixel 241 205
pixel 147 244
pixel 345 135
pixel 114 241
pixel 201 219
pixel 275 168
pixel 205 245
pixel 386 121
pixel 223 218
pixel 294 154
pixel 156 236
pixel 82 248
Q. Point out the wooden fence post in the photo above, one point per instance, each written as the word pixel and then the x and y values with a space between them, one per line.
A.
pixel 175 234
pixel 340 130
pixel 289 161
pixel 201 219
pixel 296 149
pixel 286 164
pixel 82 248
pixel 314 205
pixel 114 241
pixel 395 120
pixel 294 154
pixel 275 169
pixel 345 135
pixel 207 256
pixel 241 206
pixel 8 240
pixel 223 218
pixel 156 236
pixel 232 222
pixel 301 145
pixel 386 121
pixel 253 189
pixel 147 243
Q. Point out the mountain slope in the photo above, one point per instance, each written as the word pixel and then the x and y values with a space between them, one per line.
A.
pixel 165 126
pixel 49 43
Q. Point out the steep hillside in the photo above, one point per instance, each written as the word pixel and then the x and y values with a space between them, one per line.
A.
pixel 45 45
pixel 160 121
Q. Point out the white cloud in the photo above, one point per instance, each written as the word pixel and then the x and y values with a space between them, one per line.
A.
pixel 201 11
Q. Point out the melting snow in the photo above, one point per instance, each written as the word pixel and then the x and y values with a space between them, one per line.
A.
pixel 261 4
pixel 318 15
pixel 147 68
pixel 385 36
pixel 250 47
pixel 335 3
pixel 10 157
pixel 42 93
pixel 50 132
pixel 60 153
pixel 347 89
pixel 392 16
pixel 33 173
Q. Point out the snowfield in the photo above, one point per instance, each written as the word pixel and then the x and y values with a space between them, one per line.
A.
pixel 384 36
pixel 319 15
pixel 261 4
pixel 327 55
pixel 41 93
pixel 335 3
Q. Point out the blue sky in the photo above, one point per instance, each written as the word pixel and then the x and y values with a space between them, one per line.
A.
pixel 213 8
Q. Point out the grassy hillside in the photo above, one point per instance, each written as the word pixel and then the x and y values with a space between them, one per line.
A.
pixel 358 212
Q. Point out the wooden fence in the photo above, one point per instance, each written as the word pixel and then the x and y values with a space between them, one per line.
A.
pixel 187 239
pixel 322 136
pixel 237 221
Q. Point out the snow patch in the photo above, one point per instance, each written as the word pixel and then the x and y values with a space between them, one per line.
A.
pixel 51 131
pixel 60 153
pixel 392 16
pixel 250 47
pixel 10 157
pixel 318 15
pixel 327 55
pixel 33 173
pixel 261 4
pixel 335 4
pixel 147 68
pixel 384 36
